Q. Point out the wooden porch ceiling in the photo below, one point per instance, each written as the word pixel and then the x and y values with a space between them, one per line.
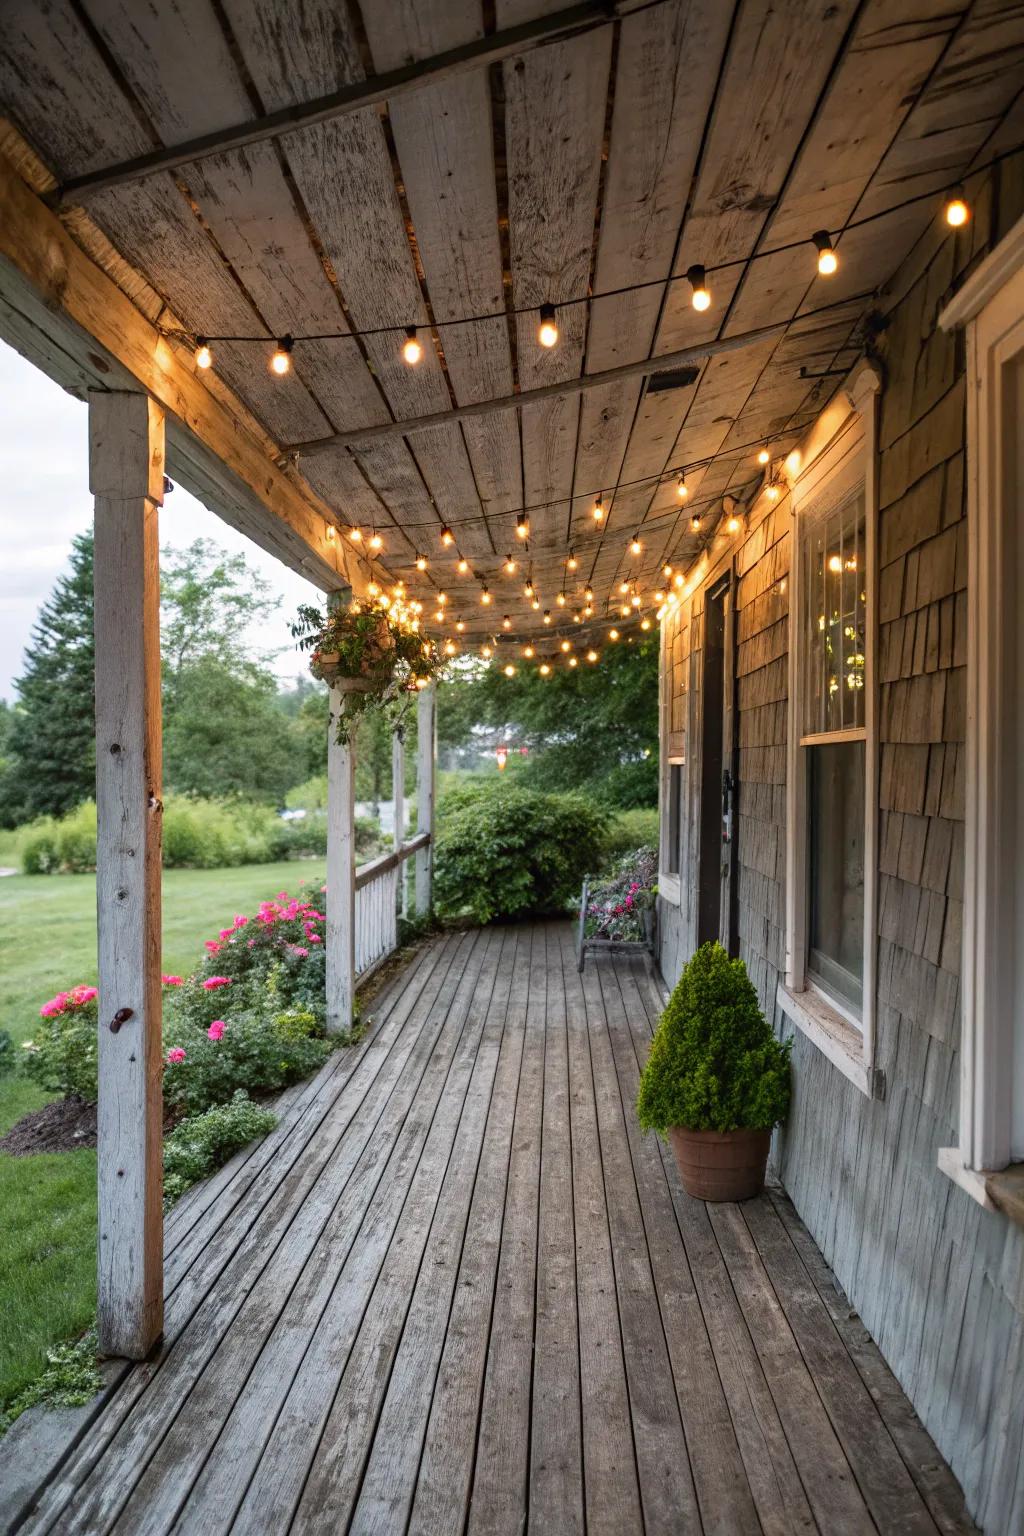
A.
pixel 652 137
pixel 457 1291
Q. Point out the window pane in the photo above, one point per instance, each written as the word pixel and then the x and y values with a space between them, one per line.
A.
pixel 834 619
pixel 675 797
pixel 835 796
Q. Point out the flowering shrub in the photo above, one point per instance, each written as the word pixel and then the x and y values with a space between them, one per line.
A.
pixel 250 1051
pixel 617 907
pixel 61 1055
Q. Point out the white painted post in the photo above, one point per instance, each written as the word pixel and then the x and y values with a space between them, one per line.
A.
pixel 341 875
pixel 426 728
pixel 126 477
pixel 398 802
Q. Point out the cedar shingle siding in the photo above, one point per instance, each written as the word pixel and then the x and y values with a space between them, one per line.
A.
pixel 937 1280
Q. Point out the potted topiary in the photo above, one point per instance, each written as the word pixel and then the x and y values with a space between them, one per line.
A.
pixel 716 1080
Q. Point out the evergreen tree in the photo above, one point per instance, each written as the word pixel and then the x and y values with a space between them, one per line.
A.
pixel 50 759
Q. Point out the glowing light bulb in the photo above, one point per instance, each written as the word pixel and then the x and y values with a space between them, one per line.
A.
pixel 535 605
pixel 613 634
pixel 566 645
pixel 528 652
pixel 486 652
pixel 623 587
pixel 421 562
pixel 547 615
pixel 510 670
pixel 447 537
pixel 598 510
pixel 510 565
pixel 442 598
pixel 204 357
pixel 666 570
pixel 439 615
pixel 828 260
pixel 763 456
pixel 659 597
pixel 645 623
pixel 373 589
pixel 772 492
pixel 547 331
pixel 695 523
pixel 375 542
pixel 624 610
pixel 835 564
pixel 589 594
pixel 678 579
pixel 591 656
pixel 572 661
pixel 356 535
pixel 460 625
pixel 682 489
pixel 572 563
pixel 522 526
pixel 463 565
pixel 506 622
pixel 956 211
pixel 528 589
pixel 560 599
pixel 450 647
pixel 281 357
pixel 732 524
pixel 485 597
pixel 635 600
pixel 411 349
pixel 635 545
pixel 543 669
pixel 700 298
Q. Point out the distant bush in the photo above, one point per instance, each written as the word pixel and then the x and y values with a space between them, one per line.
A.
pixel 201 1143
pixel 506 851
pixel 628 830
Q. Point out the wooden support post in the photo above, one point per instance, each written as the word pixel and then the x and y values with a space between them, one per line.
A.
pixel 425 727
pixel 341 875
pixel 126 477
pixel 398 802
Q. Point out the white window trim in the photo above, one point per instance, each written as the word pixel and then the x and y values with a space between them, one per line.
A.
pixel 841 446
pixel 669 885
pixel 991 306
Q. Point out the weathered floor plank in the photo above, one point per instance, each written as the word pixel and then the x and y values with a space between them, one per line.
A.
pixel 458 1291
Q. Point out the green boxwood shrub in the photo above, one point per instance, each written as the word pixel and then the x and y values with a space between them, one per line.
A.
pixel 199 1144
pixel 507 851
pixel 714 1064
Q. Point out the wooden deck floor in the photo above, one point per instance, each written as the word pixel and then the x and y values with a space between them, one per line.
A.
pixel 456 1291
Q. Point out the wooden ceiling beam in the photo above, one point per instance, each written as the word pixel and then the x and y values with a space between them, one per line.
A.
pixel 477 53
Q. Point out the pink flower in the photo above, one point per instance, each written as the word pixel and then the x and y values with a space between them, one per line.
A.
pixel 240 920
pixel 80 995
pixel 212 946
pixel 314 938
pixel 212 982
pixel 226 933
pixel 216 1029
pixel 297 949
pixel 171 981
pixel 174 1055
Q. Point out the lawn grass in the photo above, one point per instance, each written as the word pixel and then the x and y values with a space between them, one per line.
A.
pixel 48 1203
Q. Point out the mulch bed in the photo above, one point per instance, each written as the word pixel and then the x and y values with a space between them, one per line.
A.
pixel 62 1126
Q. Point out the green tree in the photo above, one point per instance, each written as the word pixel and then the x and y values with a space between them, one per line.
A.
pixel 211 603
pixel 50 758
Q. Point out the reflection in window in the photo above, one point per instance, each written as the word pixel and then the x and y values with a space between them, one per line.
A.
pixel 835 596
pixel 835 868
pixel 674 833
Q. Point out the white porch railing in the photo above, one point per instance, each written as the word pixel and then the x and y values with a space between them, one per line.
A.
pixel 378 902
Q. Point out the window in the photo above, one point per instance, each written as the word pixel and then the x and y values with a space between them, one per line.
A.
pixel 673 818
pixel 831 810
pixel 673 771
pixel 991 305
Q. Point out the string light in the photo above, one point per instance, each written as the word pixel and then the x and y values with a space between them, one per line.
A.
pixel 486 652
pixel 623 587
pixel 560 599
pixel 528 652
pixel 732 524
pixel 411 349
pixel 572 563
pixel 588 594
pixel 613 634
pixel 635 546
pixel 764 456
pixel 485 596
pixel 772 491
pixel 547 330
pixel 373 589
pixel 956 210
pixel 421 562
pixel 463 565
pixel 682 489
pixel 659 597
pixel 645 623
pixel 591 656
pixel 572 661
pixel 439 615
pixel 535 605
pixel 447 537
pixel 700 298
pixel 376 543
pixel 667 570
pixel 442 598
pixel 450 648
pixel 528 589
pixel 547 615
pixel 506 622
pixel 522 526
pixel 695 522
pixel 460 625
pixel 204 357
pixel 356 535
pixel 510 670
pixel 281 357
pixel 828 261
pixel 543 669
pixel 635 600
pixel 566 645
pixel 510 565
pixel 598 509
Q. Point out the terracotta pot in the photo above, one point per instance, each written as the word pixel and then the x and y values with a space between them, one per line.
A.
pixel 721 1165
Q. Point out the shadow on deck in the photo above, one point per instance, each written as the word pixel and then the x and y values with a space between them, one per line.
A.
pixel 457 1290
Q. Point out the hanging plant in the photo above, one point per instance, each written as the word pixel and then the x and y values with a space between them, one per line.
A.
pixel 370 653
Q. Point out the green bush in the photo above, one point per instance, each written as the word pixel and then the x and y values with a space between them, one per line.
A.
pixel 8 1054
pixel 629 830
pixel 201 1143
pixel 714 1064
pixel 256 1053
pixel 76 840
pixel 40 847
pixel 61 1055
pixel 506 851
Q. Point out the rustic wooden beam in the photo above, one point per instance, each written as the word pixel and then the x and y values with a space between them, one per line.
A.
pixel 126 477
pixel 576 386
pixel 479 53
pixel 426 722
pixel 341 875
pixel 59 308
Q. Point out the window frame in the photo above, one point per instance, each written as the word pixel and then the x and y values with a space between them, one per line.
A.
pixel 991 307
pixel 839 456
pixel 669 881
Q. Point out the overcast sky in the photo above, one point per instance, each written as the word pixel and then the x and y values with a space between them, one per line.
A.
pixel 44 502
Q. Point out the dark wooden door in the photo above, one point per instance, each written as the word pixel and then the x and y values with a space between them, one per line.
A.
pixel 716 885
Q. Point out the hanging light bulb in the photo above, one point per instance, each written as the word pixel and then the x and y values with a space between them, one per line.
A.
pixel 485 596
pixel 598 510
pixel 547 615
pixel 450 647
pixel 547 331
pixel 572 661
pixel 732 524
pixel 535 605
pixel 623 587
pixel 375 541
pixel 543 669
pixel 635 600
pixel 204 357
pixel 635 545
pixel 566 645
pixel 506 622
pixel 572 562
pixel 460 625
pixel 447 537
pixel 510 670
pixel 678 579
pixel 772 491
pixel 442 598
pixel 591 656
pixel 828 260
pixel 510 565
pixel 659 597
pixel 439 615
pixel 666 570
pixel 281 357
pixel 695 523
pixel 522 526
pixel 463 565
pixel 560 599
pixel 528 589
pixel 645 623
pixel 624 610
pixel 589 594
pixel 486 652
pixel 411 349
pixel 764 456
pixel 700 298
pixel 421 562
pixel 373 589
pixel 528 652
pixel 613 634
pixel 356 535
pixel 682 489
pixel 956 211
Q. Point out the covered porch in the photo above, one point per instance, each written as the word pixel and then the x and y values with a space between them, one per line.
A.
pixel 456 1290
